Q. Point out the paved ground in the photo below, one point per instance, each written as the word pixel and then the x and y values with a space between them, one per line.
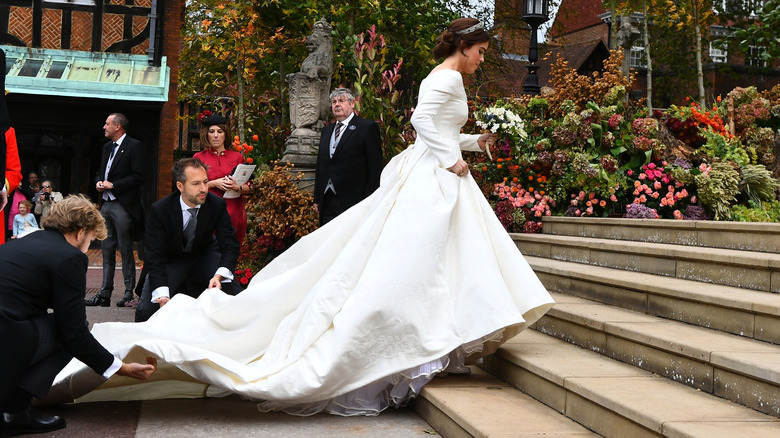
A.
pixel 228 417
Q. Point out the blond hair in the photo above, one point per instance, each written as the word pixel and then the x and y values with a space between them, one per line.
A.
pixel 75 213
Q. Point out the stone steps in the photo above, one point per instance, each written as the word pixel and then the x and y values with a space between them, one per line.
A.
pixel 742 370
pixel 744 269
pixel 660 328
pixel 746 236
pixel 480 405
pixel 618 400
pixel 743 312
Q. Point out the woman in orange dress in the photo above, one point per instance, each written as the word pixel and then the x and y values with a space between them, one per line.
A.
pixel 221 162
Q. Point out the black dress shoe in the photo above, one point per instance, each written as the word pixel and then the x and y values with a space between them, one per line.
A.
pixel 29 421
pixel 124 302
pixel 97 300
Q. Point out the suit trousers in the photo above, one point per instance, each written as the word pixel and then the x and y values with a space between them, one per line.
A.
pixel 49 359
pixel 331 207
pixel 189 275
pixel 118 223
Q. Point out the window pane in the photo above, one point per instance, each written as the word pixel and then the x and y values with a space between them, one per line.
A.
pixel 56 70
pixel 31 67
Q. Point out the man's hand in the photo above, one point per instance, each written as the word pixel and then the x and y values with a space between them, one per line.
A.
pixel 137 370
pixel 3 199
pixel 163 301
pixel 316 208
pixel 102 186
pixel 216 282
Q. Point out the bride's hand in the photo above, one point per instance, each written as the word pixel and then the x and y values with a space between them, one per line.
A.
pixel 461 168
pixel 486 140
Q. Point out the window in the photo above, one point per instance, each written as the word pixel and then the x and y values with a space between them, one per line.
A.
pixel 755 56
pixel 718 52
pixel 73 2
pixel 638 59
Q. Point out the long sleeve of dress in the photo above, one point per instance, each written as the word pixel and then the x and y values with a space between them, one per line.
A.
pixel 425 113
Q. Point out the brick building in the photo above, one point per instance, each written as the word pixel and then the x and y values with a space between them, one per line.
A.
pixel 71 63
pixel 582 23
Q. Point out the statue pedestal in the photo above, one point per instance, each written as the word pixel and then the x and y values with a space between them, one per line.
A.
pixel 302 152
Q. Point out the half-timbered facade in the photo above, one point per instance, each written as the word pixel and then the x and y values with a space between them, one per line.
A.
pixel 71 63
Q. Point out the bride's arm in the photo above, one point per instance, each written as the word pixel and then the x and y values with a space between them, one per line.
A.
pixel 422 120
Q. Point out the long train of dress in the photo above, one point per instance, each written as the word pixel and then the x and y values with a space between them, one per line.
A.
pixel 356 316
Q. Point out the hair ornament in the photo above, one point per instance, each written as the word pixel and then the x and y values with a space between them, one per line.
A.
pixel 473 28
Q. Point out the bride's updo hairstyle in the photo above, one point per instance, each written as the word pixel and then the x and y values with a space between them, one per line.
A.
pixel 460 35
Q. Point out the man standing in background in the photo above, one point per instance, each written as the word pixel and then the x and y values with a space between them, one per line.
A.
pixel 119 183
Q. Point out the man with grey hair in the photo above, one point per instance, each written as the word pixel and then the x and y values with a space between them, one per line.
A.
pixel 349 161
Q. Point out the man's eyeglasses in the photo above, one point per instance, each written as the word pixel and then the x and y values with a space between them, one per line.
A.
pixel 46 187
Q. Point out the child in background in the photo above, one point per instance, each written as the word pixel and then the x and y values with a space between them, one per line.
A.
pixel 24 222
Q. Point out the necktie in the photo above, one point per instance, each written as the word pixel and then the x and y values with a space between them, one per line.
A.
pixel 339 127
pixel 114 147
pixel 188 235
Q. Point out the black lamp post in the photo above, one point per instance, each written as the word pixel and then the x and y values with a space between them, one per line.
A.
pixel 534 13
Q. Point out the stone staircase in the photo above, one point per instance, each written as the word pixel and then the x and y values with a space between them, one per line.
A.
pixel 661 328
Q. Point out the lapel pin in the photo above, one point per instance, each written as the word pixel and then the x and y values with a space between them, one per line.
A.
pixel 352 127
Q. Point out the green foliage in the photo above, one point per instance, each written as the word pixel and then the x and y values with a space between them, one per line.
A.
pixel 718 190
pixel 759 184
pixel 760 31
pixel 720 147
pixel 765 212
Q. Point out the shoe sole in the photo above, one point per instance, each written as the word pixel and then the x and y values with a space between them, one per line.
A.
pixel 5 433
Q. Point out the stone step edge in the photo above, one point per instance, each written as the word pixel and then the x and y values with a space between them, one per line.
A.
pixel 761 237
pixel 571 309
pixel 741 227
pixel 750 300
pixel 491 408
pixel 536 356
pixel 748 259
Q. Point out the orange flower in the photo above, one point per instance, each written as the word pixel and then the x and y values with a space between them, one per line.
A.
pixel 718 99
pixel 484 167
pixel 250 160
pixel 255 137
pixel 236 138
pixel 498 166
pixel 541 192
pixel 530 189
pixel 530 177
pixel 514 179
pixel 500 160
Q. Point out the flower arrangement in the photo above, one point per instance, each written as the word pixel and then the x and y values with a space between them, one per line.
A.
pixel 501 119
pixel 203 114
pixel 243 276
pixel 278 214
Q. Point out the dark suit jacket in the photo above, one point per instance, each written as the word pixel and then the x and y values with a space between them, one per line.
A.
pixel 57 280
pixel 356 165
pixel 127 175
pixel 165 229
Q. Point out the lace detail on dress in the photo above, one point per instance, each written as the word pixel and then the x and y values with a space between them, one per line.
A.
pixel 385 347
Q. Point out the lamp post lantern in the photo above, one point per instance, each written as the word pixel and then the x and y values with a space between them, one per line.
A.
pixel 535 12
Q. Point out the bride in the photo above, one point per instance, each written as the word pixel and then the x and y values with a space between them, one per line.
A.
pixel 416 280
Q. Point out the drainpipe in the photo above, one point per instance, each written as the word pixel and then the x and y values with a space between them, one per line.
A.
pixel 152 33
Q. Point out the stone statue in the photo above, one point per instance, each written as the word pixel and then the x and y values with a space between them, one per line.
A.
pixel 309 90
pixel 626 36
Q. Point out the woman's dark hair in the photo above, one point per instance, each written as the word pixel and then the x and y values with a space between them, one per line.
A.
pixel 456 37
pixel 204 136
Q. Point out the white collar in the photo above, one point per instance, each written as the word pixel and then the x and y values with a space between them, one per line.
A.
pixel 345 122
pixel 185 207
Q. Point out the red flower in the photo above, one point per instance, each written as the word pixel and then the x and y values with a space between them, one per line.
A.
pixel 244 281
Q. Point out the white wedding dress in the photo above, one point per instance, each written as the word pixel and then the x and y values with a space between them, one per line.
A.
pixel 358 315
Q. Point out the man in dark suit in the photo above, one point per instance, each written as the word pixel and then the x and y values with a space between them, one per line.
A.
pixel 36 344
pixel 349 161
pixel 119 182
pixel 189 238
